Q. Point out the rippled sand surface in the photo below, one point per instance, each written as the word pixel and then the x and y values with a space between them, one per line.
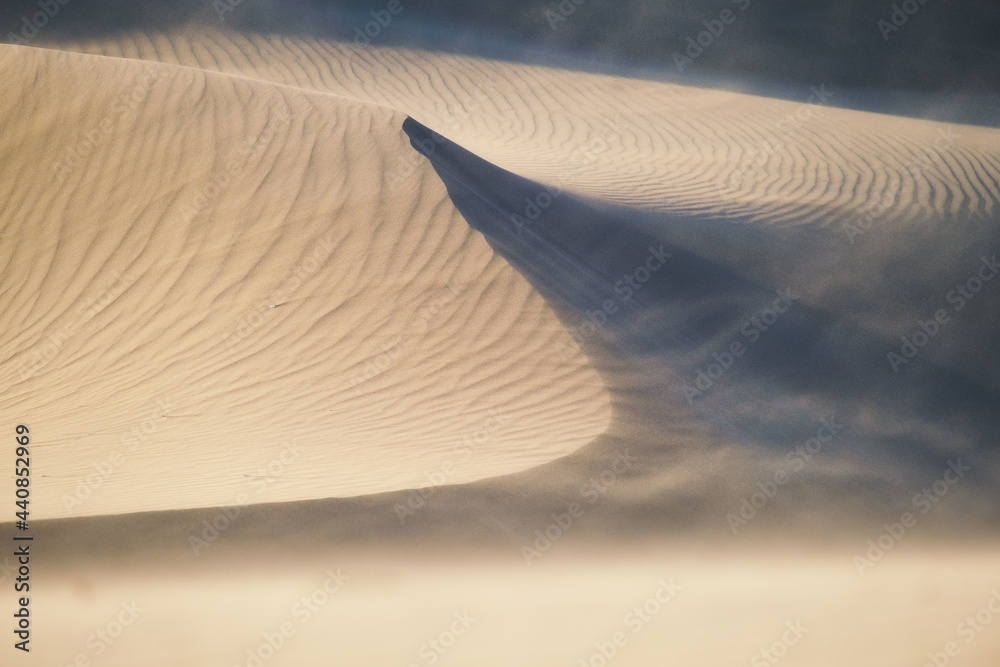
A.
pixel 384 355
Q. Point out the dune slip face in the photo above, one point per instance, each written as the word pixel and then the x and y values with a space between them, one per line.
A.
pixel 434 333
pixel 764 205
pixel 761 349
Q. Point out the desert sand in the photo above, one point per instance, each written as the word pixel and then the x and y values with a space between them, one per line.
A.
pixel 480 356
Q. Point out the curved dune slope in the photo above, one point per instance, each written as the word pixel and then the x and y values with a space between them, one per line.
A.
pixel 888 189
pixel 218 291
pixel 751 358
pixel 869 219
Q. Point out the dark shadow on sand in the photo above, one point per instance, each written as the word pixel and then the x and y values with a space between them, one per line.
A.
pixel 712 344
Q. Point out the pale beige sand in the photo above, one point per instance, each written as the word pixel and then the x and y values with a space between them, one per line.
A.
pixel 660 147
pixel 230 273
pixel 726 609
pixel 309 130
pixel 650 145
pixel 665 146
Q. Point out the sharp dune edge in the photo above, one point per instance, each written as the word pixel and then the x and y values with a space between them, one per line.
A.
pixel 681 148
pixel 328 293
pixel 228 306
pixel 238 255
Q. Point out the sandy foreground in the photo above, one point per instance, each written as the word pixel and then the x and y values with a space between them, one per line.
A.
pixel 278 381
pixel 660 608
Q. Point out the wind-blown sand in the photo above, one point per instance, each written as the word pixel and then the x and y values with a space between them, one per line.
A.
pixel 268 314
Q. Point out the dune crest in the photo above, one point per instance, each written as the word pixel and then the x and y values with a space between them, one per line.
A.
pixel 194 259
pixel 682 148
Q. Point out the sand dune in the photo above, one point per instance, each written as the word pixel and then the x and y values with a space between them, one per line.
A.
pixel 192 285
pixel 876 181
pixel 683 146
pixel 312 277
pixel 773 192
